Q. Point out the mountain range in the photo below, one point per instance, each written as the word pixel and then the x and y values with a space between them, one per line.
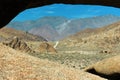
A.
pixel 56 28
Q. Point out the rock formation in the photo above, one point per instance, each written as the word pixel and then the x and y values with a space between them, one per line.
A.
pixel 17 44
pixel 107 68
pixel 46 47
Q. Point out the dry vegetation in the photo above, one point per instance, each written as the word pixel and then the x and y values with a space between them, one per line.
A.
pixel 68 62
pixel 21 66
pixel 74 60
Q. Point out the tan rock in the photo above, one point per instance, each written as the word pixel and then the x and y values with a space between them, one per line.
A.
pixel 46 47
pixel 108 67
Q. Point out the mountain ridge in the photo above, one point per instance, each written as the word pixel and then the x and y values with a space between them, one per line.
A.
pixel 64 27
pixel 101 39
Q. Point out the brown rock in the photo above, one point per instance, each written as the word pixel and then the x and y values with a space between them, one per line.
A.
pixel 17 44
pixel 46 47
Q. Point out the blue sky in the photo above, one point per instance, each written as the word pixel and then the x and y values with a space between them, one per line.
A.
pixel 68 11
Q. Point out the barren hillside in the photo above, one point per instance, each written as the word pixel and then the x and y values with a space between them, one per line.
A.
pixel 21 66
pixel 105 38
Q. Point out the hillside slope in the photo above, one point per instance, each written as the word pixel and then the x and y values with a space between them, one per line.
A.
pixel 6 33
pixel 20 66
pixel 77 25
pixel 61 26
pixel 47 32
pixel 105 38
pixel 51 21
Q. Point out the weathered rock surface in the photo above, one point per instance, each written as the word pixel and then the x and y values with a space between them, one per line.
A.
pixel 17 44
pixel 46 47
pixel 108 68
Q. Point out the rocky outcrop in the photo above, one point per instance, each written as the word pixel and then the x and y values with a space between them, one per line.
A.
pixel 17 44
pixel 107 68
pixel 46 48
pixel 10 8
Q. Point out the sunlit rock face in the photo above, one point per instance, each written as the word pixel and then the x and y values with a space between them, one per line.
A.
pixel 10 8
pixel 107 68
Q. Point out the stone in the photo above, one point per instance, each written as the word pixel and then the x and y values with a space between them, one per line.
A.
pixel 17 44
pixel 107 68
pixel 46 47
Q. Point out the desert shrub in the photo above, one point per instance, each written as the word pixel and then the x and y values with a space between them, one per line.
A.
pixel 75 60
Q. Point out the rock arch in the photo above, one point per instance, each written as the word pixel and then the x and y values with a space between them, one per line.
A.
pixel 10 8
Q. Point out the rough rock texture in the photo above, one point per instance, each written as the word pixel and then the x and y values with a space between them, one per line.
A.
pixel 15 65
pixel 104 40
pixel 46 47
pixel 10 8
pixel 17 44
pixel 108 68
